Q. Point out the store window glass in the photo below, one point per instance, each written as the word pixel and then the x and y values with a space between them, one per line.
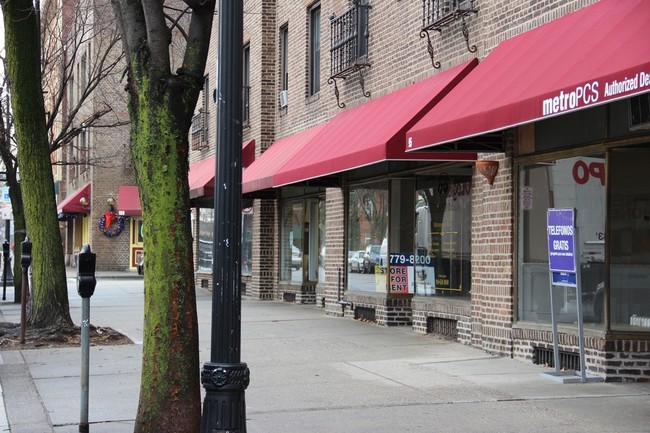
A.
pixel 291 242
pixel 629 240
pixel 367 234
pixel 580 183
pixel 321 241
pixel 247 241
pixel 443 214
pixel 205 241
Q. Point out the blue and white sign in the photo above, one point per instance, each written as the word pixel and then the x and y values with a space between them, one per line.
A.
pixel 562 257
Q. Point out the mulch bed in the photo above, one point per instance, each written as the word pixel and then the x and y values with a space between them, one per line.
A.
pixel 39 338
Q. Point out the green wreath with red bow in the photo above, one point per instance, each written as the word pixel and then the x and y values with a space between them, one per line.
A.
pixel 111 224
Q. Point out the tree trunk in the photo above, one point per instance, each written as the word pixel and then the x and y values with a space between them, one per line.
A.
pixel 170 389
pixel 49 299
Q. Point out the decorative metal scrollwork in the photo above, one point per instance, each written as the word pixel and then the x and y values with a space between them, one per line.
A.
pixel 445 20
pixel 423 33
pixel 359 67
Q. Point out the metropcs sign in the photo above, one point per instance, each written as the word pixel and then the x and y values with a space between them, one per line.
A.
pixel 593 92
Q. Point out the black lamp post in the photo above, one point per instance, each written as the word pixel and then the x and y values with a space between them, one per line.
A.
pixel 225 377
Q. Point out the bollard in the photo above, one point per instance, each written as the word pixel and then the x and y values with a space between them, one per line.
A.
pixel 25 262
pixel 86 283
pixel 5 257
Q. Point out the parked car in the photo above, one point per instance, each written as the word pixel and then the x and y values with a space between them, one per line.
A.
pixel 355 261
pixel 296 257
pixel 371 258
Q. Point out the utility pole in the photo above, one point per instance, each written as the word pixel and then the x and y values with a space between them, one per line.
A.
pixel 225 377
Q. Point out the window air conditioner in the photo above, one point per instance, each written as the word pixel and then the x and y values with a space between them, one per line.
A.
pixel 284 98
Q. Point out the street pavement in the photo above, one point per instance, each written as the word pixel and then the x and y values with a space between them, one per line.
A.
pixel 311 373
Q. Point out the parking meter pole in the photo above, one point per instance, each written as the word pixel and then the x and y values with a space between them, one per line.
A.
pixel 225 377
pixel 5 257
pixel 85 287
pixel 85 363
pixel 25 262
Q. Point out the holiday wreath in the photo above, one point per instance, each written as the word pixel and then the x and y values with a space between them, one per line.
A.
pixel 107 220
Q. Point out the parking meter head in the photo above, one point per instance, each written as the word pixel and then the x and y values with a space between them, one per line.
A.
pixel 5 249
pixel 25 254
pixel 86 272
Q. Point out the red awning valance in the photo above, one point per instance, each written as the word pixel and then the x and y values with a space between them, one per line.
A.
pixel 74 203
pixel 590 57
pixel 128 201
pixel 248 153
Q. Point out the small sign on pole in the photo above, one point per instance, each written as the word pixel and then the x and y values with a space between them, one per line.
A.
pixel 563 266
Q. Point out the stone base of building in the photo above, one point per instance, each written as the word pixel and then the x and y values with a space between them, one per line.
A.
pixel 442 317
pixel 299 294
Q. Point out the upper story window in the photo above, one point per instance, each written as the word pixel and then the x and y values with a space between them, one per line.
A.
pixel 284 57
pixel 314 49
pixel 349 38
pixel 200 121
pixel 246 83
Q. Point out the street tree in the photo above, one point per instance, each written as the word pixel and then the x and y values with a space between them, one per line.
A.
pixel 161 103
pixel 49 300
pixel 61 42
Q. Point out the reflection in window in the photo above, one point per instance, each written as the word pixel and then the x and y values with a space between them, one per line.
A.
pixel 629 240
pixel 247 241
pixel 442 233
pixel 566 183
pixel 206 238
pixel 368 237
pixel 291 242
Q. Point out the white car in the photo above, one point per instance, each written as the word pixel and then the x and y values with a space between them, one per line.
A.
pixel 355 261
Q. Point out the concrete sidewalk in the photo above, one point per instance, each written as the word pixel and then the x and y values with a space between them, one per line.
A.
pixel 311 373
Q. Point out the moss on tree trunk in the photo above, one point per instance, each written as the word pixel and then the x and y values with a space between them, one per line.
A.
pixel 49 299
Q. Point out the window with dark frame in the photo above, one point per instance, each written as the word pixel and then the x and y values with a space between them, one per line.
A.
pixel 246 83
pixel 284 54
pixel 349 38
pixel 200 123
pixel 314 49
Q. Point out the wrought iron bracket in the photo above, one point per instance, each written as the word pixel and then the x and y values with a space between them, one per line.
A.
pixel 447 20
pixel 358 67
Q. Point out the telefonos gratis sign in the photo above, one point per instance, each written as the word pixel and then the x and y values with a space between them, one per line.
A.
pixel 561 231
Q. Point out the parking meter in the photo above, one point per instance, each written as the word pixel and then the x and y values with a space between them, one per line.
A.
pixel 25 254
pixel 5 250
pixel 5 256
pixel 86 281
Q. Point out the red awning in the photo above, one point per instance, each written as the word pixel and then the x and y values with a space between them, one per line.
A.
pixel 260 174
pixel 373 132
pixel 590 57
pixel 128 201
pixel 72 205
pixel 201 178
pixel 248 153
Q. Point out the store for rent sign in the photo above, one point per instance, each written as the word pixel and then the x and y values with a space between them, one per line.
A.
pixel 595 91
pixel 400 273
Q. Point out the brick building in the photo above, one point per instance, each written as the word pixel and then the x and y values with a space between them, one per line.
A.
pixel 433 161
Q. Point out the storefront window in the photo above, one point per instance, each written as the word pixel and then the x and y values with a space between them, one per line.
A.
pixel 206 237
pixel 321 241
pixel 291 242
pixel 247 241
pixel 579 183
pixel 442 234
pixel 629 240
pixel 367 234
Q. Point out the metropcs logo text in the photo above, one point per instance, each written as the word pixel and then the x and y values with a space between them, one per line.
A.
pixel 589 93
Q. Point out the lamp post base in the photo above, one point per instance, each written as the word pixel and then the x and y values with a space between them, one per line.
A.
pixel 224 406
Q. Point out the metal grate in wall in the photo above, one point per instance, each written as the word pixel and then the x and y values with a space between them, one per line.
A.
pixel 446 328
pixel 365 314
pixel 289 297
pixel 568 361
